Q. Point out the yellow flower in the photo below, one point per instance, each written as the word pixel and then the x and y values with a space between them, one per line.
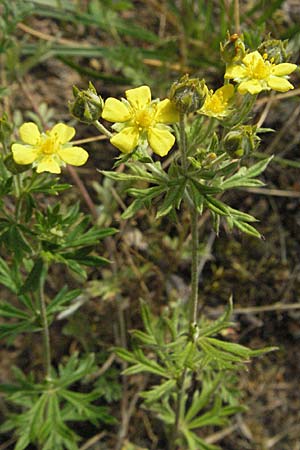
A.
pixel 256 74
pixel 139 119
pixel 217 104
pixel 48 151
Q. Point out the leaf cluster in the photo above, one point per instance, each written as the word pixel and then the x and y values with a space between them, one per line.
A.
pixel 166 350
pixel 201 187
pixel 47 407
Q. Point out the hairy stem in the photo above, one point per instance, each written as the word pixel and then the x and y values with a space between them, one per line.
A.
pixel 194 269
pixel 183 141
pixel 102 129
pixel 45 331
pixel 194 284
pixel 179 399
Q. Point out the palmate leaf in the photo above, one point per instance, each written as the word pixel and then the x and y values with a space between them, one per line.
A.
pixel 48 407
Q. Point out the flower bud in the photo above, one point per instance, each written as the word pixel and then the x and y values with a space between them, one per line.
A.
pixel 188 94
pixel 233 49
pixel 5 128
pixel 241 142
pixel 274 50
pixel 87 105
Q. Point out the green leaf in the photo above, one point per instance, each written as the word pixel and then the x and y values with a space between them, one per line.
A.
pixel 204 189
pixel 118 176
pixel 144 364
pixel 33 280
pixel 157 392
pixel 6 277
pixel 143 337
pixel 172 199
pixel 135 206
pixel 18 242
pixel 216 206
pixel 125 355
pixel 8 310
pixel 61 299
pixel 195 442
pixel 237 349
pixel 200 400
pixel 246 228
pixel 220 324
pixel 243 178
pixel 258 168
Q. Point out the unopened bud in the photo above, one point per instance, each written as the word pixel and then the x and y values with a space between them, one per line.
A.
pixel 188 94
pixel 233 49
pixel 5 128
pixel 274 50
pixel 233 144
pixel 87 105
pixel 241 142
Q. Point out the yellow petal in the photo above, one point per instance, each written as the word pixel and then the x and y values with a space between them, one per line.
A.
pixel 235 71
pixel 139 97
pixel 63 133
pixel 253 58
pixel 283 69
pixel 48 164
pixel 225 92
pixel 29 133
pixel 166 112
pixel 115 111
pixel 279 84
pixel 126 140
pixel 251 86
pixel 76 156
pixel 24 154
pixel 161 141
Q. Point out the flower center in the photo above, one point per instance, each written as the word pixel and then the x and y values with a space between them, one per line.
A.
pixel 259 71
pixel 144 118
pixel 217 103
pixel 48 146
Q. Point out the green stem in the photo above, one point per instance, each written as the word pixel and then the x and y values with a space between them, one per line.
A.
pixel 194 269
pixel 194 285
pixel 19 197
pixel 45 331
pixel 183 142
pixel 102 128
pixel 180 396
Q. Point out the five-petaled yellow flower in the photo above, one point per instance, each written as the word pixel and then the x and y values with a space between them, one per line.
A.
pixel 48 151
pixel 255 74
pixel 138 119
pixel 217 104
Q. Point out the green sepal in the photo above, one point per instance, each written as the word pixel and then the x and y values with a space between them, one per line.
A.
pixel 15 168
